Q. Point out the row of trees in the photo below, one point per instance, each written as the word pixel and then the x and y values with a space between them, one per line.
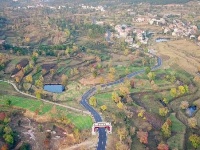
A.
pixel 6 133
pixel 181 90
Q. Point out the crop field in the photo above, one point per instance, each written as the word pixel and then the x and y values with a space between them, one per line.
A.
pixel 80 121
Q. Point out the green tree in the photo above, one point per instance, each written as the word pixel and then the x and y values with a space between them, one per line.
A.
pixel 147 70
pixel 151 75
pixel 165 100
pixel 8 102
pixel 195 140
pixel 8 138
pixel 34 57
pixel 7 130
pixel 186 88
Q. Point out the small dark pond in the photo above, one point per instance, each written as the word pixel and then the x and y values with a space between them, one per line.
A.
pixel 191 110
pixel 54 88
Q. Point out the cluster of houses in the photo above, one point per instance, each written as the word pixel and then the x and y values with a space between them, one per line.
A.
pixel 39 5
pixel 176 28
pixel 180 29
pixel 98 8
pixel 131 35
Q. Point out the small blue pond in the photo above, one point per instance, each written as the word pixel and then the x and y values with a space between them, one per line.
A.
pixel 54 88
pixel 162 39
pixel 191 110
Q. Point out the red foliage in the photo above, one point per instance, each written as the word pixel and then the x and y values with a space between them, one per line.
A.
pixel 2 116
pixel 163 146
pixel 143 136
pixel 132 83
pixel 4 147
pixel 169 122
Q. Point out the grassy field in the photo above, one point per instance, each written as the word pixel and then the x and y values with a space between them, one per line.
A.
pixel 185 53
pixel 73 94
pixel 81 122
pixel 177 141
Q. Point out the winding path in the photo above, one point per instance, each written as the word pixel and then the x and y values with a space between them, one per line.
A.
pixel 96 115
pixel 87 95
pixel 47 101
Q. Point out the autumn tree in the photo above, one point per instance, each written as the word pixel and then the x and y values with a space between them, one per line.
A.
pixel 132 130
pixel 39 83
pixel 76 134
pixel 162 146
pixel 122 133
pixel 173 92
pixel 121 146
pixel 103 107
pixel 5 147
pixel 124 91
pixel 141 113
pixel 52 72
pixel 34 57
pixel 101 80
pixel 111 77
pixel 115 97
pixel 38 93
pixel 192 122
pixel 195 140
pixel 181 90
pixel 112 70
pixel 93 101
pixel 166 128
pixel 126 52
pixel 163 111
pixel 143 136
pixel 29 78
pixel 132 83
pixel 151 75
pixel 184 105
pixel 120 105
pixel 64 79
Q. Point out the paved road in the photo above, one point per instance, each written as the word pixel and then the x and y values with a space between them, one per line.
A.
pixel 96 115
pixel 47 101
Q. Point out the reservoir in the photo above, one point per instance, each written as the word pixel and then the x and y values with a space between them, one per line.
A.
pixel 191 110
pixel 54 88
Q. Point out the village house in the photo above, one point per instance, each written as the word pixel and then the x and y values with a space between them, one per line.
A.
pixel 122 31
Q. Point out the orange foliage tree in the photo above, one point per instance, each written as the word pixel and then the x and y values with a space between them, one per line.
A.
pixel 143 136
pixel 163 146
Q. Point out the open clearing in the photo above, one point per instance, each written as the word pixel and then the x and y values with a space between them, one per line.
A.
pixel 185 53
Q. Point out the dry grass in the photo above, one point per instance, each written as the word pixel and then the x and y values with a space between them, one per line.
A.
pixel 183 52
